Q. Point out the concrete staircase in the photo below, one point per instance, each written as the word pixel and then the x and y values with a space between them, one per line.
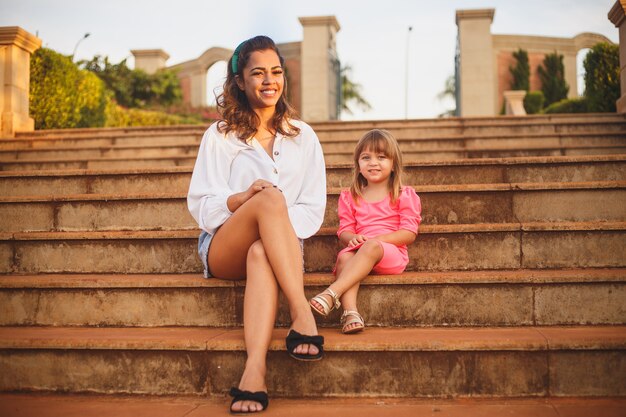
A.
pixel 516 286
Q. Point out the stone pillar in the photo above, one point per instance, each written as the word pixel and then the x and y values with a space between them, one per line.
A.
pixel 150 60
pixel 514 102
pixel 617 16
pixel 476 66
pixel 16 47
pixel 318 68
pixel 198 88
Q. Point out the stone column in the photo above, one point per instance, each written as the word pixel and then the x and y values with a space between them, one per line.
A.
pixel 16 47
pixel 198 88
pixel 476 66
pixel 617 16
pixel 150 60
pixel 318 78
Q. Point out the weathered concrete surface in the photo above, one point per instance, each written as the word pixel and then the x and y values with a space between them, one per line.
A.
pixel 588 373
pixel 580 304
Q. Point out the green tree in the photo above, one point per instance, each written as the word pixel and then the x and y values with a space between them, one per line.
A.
pixel 136 88
pixel 552 76
pixel 351 92
pixel 521 71
pixel 602 84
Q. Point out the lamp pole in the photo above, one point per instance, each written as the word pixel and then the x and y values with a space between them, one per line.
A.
pixel 406 75
pixel 85 36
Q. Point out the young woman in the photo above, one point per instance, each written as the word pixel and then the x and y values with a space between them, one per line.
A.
pixel 258 188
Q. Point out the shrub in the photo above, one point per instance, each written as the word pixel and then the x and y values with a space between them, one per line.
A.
pixel 573 105
pixel 136 88
pixel 63 96
pixel 521 71
pixel 533 102
pixel 117 116
pixel 602 85
pixel 552 75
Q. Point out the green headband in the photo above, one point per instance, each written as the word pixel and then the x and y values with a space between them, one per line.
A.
pixel 234 65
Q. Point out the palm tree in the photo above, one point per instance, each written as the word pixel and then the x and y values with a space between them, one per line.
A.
pixel 449 91
pixel 351 92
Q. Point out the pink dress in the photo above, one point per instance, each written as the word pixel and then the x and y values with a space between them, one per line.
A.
pixel 381 217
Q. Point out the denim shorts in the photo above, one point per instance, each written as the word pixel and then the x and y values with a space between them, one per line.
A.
pixel 204 241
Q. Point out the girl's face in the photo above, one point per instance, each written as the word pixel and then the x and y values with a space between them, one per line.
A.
pixel 375 166
pixel 263 79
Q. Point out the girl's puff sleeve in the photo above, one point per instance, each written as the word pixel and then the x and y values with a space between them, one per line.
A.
pixel 410 208
pixel 347 221
pixel 209 190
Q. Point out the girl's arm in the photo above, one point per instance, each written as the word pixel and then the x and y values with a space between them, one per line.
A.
pixel 398 238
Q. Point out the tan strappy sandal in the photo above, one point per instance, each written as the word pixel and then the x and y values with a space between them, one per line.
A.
pixel 326 306
pixel 356 318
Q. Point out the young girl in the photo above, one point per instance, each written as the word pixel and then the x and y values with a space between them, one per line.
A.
pixel 378 217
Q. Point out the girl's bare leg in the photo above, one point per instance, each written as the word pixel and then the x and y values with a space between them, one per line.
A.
pixel 351 270
pixel 237 248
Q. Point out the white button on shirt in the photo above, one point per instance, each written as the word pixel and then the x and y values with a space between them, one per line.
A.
pixel 225 166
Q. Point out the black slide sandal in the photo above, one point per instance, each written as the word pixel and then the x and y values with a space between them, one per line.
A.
pixel 295 339
pixel 239 395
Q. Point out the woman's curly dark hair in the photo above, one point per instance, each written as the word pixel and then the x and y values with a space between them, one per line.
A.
pixel 237 114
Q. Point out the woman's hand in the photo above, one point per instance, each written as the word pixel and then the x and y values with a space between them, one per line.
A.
pixel 258 185
pixel 236 200
pixel 356 240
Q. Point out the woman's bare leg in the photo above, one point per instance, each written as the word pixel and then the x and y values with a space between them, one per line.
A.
pixel 234 250
pixel 260 303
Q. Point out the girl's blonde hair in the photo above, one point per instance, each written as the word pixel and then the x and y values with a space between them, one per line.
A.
pixel 379 141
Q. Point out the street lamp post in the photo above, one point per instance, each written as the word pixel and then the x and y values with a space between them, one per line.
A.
pixel 406 75
pixel 85 36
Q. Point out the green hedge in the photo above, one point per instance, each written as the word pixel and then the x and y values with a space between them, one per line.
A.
pixel 62 96
pixel 533 102
pixel 573 105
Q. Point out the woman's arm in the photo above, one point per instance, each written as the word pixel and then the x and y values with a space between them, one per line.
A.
pixel 307 214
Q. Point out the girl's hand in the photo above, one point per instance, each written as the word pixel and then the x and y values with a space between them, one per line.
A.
pixel 356 240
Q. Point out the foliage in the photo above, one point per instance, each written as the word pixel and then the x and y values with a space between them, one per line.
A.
pixel 117 116
pixel 351 92
pixel 574 105
pixel 449 91
pixel 136 88
pixel 533 102
pixel 602 83
pixel 61 95
pixel 521 71
pixel 552 75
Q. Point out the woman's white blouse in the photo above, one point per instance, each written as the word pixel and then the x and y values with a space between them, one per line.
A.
pixel 225 166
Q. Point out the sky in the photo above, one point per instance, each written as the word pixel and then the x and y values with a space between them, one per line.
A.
pixel 374 39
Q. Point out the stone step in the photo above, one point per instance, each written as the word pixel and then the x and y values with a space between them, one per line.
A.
pixel 475 125
pixel 594 296
pixel 134 162
pixel 21 148
pixel 448 204
pixel 533 245
pixel 395 362
pixel 176 179
pixel 54 405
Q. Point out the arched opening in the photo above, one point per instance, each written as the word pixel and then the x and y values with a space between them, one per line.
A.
pixel 215 77
pixel 580 70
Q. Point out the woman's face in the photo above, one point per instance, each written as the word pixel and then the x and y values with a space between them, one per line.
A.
pixel 263 79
